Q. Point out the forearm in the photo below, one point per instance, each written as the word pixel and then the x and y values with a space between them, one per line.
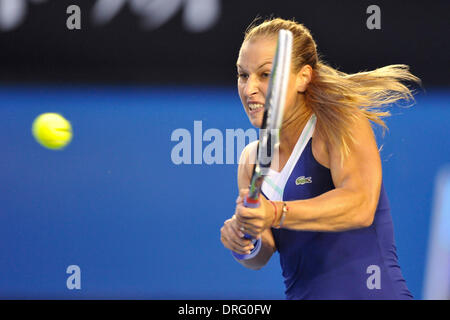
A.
pixel 336 210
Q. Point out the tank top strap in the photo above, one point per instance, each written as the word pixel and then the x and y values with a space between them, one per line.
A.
pixel 274 182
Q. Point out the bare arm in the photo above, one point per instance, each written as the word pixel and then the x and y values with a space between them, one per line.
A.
pixel 353 202
pixel 268 244
pixel 351 205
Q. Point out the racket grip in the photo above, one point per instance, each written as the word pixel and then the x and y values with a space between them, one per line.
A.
pixel 250 203
pixel 253 253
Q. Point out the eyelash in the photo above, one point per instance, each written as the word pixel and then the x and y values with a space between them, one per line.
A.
pixel 244 75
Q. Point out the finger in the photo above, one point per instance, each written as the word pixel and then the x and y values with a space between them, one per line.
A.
pixel 237 230
pixel 233 247
pixel 241 227
pixel 253 227
pixel 242 250
pixel 245 229
pixel 243 213
pixel 251 232
pixel 246 222
pixel 249 218
pixel 237 245
pixel 241 243
pixel 247 249
pixel 235 233
pixel 238 236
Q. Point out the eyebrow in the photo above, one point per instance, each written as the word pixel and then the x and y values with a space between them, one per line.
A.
pixel 267 62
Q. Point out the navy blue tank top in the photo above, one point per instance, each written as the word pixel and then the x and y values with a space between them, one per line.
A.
pixel 355 264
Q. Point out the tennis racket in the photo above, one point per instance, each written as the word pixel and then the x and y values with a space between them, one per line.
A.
pixel 270 129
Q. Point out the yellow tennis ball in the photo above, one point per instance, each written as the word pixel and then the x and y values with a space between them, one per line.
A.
pixel 52 131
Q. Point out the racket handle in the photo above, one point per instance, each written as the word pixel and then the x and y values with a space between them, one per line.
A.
pixel 250 203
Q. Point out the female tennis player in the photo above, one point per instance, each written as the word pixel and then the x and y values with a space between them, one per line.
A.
pixel 323 205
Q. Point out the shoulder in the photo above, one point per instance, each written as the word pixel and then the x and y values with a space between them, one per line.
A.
pixel 249 153
pixel 363 142
pixel 360 170
pixel 319 148
pixel 326 152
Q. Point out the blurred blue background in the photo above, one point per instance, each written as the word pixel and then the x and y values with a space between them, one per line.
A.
pixel 113 202
pixel 139 226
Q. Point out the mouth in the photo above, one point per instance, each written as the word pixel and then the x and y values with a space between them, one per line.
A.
pixel 255 108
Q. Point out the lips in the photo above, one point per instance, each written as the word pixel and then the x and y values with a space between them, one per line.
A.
pixel 255 107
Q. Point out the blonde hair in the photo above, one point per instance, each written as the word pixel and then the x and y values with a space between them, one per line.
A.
pixel 336 98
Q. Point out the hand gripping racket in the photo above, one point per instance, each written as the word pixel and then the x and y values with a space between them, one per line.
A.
pixel 269 133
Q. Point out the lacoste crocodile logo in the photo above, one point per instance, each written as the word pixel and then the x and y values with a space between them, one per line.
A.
pixel 302 180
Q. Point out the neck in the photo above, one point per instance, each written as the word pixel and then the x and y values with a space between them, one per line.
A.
pixel 293 125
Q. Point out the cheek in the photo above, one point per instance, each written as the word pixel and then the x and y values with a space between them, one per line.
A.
pixel 240 88
pixel 264 87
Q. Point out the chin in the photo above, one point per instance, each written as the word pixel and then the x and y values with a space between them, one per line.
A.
pixel 257 123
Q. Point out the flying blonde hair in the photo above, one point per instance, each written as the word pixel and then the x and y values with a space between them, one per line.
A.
pixel 336 98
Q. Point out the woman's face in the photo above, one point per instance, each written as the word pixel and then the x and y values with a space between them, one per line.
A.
pixel 253 66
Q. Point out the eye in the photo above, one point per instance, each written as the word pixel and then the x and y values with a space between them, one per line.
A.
pixel 242 75
pixel 266 75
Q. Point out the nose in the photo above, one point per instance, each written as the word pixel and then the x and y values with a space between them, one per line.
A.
pixel 252 86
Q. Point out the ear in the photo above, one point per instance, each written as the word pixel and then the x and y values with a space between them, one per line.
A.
pixel 303 78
